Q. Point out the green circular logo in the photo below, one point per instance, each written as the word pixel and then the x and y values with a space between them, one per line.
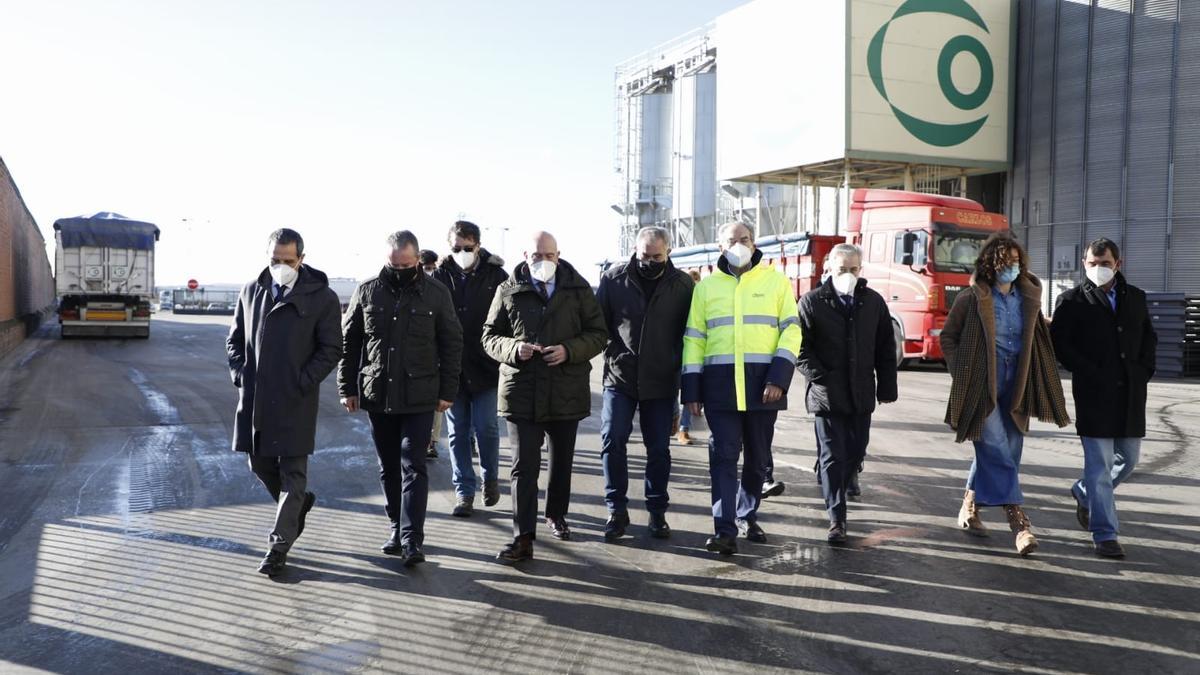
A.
pixel 938 133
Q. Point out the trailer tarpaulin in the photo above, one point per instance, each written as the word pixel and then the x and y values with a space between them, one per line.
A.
pixel 107 229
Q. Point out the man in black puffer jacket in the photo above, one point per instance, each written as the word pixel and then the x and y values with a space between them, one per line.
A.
pixel 473 275
pixel 544 328
pixel 401 354
pixel 645 303
pixel 849 359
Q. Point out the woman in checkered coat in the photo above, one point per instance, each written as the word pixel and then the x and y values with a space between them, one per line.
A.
pixel 998 349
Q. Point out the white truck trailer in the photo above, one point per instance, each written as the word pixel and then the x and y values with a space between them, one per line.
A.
pixel 104 274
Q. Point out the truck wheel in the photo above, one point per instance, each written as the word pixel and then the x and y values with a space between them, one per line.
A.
pixel 901 362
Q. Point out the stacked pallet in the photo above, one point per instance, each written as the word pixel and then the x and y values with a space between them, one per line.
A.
pixel 1167 313
pixel 1191 337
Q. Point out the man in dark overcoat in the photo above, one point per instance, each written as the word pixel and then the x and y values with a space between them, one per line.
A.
pixel 1102 333
pixel 285 339
pixel 848 356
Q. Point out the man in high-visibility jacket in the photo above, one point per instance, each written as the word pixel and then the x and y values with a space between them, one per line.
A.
pixel 739 353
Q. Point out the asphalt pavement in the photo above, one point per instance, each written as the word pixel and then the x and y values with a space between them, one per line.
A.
pixel 130 535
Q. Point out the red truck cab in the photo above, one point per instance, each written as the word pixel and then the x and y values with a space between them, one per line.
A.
pixel 919 251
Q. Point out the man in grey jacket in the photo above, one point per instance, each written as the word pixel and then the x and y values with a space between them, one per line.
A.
pixel 284 341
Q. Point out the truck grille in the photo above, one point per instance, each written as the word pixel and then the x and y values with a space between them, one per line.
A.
pixel 951 294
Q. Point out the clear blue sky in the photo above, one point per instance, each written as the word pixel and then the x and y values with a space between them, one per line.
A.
pixel 222 120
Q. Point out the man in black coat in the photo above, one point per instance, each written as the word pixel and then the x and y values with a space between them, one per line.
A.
pixel 400 363
pixel 645 303
pixel 1102 333
pixel 284 341
pixel 473 275
pixel 848 357
pixel 544 328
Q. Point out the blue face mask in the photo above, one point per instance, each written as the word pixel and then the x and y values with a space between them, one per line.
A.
pixel 1008 274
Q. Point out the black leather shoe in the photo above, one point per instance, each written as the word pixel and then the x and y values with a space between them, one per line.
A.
pixel 1081 513
pixel 659 529
pixel 614 529
pixel 491 492
pixel 519 549
pixel 837 533
pixel 558 528
pixel 751 531
pixel 272 565
pixel 772 488
pixel 393 545
pixel 722 545
pixel 310 499
pixel 431 451
pixel 1110 549
pixel 412 554
pixel 853 491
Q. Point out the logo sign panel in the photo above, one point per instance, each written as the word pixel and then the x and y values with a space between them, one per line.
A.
pixel 929 80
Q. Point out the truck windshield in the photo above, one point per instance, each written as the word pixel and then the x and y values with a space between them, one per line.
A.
pixel 955 249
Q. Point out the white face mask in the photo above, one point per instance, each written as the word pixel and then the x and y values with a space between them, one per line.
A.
pixel 845 283
pixel 739 255
pixel 465 258
pixel 543 270
pixel 283 275
pixel 1100 275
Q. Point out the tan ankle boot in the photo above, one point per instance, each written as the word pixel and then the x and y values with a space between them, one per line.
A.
pixel 968 516
pixel 1019 523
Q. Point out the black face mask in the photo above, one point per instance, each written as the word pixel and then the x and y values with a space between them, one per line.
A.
pixel 401 276
pixel 651 269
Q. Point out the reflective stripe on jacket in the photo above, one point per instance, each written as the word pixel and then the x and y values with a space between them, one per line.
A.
pixel 742 334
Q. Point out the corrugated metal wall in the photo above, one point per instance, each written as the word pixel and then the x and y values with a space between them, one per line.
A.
pixel 1107 137
pixel 26 281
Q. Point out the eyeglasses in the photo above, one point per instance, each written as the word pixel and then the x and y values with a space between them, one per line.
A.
pixel 460 249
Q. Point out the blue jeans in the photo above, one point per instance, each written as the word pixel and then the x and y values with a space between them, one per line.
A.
pixel 1106 462
pixel 478 411
pixel 995 473
pixel 685 418
pixel 616 423
pixel 731 433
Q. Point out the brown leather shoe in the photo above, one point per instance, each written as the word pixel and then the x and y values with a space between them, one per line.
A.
pixel 1019 523
pixel 558 527
pixel 968 516
pixel 519 549
pixel 684 438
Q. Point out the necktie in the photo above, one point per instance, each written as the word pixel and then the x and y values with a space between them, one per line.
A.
pixel 543 291
pixel 279 294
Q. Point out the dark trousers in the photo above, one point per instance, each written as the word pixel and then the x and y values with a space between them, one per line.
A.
pixel 525 439
pixel 616 424
pixel 400 442
pixel 841 446
pixel 731 432
pixel 286 478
